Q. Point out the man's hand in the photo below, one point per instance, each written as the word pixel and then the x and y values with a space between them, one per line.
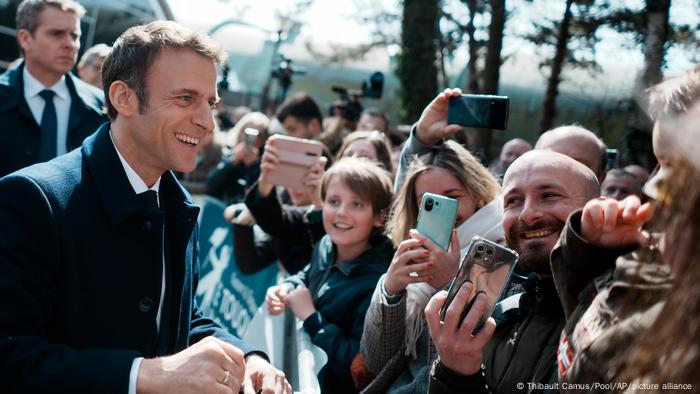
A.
pixel 459 350
pixel 300 302
pixel 432 125
pixel 609 223
pixel 209 366
pixel 275 299
pixel 261 377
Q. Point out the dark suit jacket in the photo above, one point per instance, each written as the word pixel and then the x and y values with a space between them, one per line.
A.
pixel 81 271
pixel 22 134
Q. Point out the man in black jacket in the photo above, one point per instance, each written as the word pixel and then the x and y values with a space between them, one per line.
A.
pixel 540 190
pixel 45 111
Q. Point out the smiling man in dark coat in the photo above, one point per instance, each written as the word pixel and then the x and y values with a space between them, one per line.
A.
pixel 98 253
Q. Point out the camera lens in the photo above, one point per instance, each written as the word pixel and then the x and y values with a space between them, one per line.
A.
pixel 429 204
pixel 480 248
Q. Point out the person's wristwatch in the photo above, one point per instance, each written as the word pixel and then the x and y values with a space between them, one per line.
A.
pixel 467 383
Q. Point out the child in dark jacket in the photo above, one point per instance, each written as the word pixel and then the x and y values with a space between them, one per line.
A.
pixel 332 293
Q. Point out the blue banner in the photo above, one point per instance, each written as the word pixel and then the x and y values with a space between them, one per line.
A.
pixel 226 295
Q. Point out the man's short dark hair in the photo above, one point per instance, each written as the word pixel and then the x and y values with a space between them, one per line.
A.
pixel 137 48
pixel 302 107
pixel 28 11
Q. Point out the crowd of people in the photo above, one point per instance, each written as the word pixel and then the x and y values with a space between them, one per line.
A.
pixel 99 242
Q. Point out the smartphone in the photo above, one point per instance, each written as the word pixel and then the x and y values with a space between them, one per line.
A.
pixel 479 111
pixel 251 136
pixel 296 156
pixel 612 157
pixel 488 266
pixel 436 218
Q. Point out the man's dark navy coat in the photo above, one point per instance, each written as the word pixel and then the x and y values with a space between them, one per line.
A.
pixel 81 271
pixel 21 134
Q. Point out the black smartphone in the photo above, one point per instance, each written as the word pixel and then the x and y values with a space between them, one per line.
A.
pixel 479 111
pixel 612 156
pixel 488 266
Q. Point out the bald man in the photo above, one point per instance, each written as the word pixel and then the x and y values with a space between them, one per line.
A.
pixel 511 150
pixel 540 190
pixel 578 143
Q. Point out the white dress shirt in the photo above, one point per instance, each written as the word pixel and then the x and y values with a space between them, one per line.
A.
pixel 61 101
pixel 139 187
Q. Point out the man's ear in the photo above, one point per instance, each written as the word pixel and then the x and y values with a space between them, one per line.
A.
pixel 123 99
pixel 23 37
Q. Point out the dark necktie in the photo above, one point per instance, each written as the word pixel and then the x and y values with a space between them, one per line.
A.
pixel 165 339
pixel 150 200
pixel 47 149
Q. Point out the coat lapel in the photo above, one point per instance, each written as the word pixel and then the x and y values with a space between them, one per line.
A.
pixel 78 107
pixel 14 98
pixel 113 186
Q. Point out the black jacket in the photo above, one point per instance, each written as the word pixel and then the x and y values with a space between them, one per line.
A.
pixel 22 134
pixel 521 351
pixel 341 294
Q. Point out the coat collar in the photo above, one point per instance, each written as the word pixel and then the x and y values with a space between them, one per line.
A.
pixel 12 91
pixel 114 188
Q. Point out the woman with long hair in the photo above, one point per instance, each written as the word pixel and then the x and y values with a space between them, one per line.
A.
pixel 395 343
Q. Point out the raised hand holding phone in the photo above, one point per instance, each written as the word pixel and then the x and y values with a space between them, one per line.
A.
pixel 460 349
pixel 432 127
pixel 487 265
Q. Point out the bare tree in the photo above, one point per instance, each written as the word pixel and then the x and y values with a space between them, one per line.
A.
pixel 417 70
pixel 492 69
pixel 549 106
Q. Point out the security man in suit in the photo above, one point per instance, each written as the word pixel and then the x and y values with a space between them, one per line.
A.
pixel 45 111
pixel 98 253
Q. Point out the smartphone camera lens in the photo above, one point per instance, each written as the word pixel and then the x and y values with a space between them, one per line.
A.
pixel 429 204
pixel 480 248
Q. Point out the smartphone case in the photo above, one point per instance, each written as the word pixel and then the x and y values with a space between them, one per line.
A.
pixel 493 259
pixel 296 156
pixel 437 219
pixel 479 111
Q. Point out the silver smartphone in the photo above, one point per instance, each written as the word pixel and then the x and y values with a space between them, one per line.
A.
pixel 488 266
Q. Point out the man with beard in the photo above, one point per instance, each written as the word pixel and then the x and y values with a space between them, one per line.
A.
pixel 540 190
